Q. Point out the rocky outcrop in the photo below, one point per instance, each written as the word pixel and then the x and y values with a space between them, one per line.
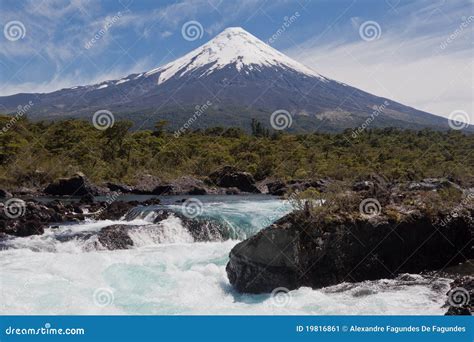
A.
pixel 200 228
pixel 300 250
pixel 184 186
pixel 77 185
pixel 280 188
pixel 230 177
pixel 115 237
pixel 461 297
pixel 25 218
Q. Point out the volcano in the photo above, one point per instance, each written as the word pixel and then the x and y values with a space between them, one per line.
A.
pixel 238 78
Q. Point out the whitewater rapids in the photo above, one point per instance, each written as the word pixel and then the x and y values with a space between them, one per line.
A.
pixel 166 272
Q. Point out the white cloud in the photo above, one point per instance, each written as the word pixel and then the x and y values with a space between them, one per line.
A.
pixel 408 63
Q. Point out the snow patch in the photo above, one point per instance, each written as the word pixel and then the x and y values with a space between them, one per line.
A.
pixel 234 46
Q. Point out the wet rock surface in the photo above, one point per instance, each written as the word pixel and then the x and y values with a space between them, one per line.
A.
pixel 30 217
pixel 350 246
pixel 230 177
pixel 115 237
pixel 77 185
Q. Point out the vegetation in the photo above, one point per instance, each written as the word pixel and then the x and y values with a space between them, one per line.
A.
pixel 32 154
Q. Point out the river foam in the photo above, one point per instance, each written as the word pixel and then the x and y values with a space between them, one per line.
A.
pixel 166 272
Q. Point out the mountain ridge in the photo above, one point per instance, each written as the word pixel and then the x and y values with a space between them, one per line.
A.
pixel 243 78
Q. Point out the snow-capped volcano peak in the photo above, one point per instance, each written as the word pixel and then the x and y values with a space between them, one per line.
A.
pixel 233 46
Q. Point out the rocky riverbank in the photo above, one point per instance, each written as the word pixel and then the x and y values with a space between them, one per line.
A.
pixel 371 231
pixel 224 181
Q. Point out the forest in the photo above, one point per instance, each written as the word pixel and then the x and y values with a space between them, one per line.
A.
pixel 35 153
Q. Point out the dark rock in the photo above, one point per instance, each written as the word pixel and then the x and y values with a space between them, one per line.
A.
pixel 5 194
pixel 280 188
pixel 229 177
pixel 122 188
pixel 200 228
pixel 277 188
pixel 29 228
pixel 163 190
pixel 113 210
pixel 115 237
pixel 183 186
pixel 77 185
pixel 299 250
pixel 197 191
pixel 232 191
pixel 87 199
pixel 461 297
pixel 145 184
pixel 363 186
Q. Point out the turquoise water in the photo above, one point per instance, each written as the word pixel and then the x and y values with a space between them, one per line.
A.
pixel 64 271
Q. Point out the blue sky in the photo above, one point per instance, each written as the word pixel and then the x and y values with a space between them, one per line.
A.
pixel 422 55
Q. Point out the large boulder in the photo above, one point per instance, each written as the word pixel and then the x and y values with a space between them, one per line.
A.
pixel 115 237
pixel 77 185
pixel 300 250
pixel 230 177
